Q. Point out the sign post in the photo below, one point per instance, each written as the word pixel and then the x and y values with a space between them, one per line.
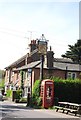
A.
pixel 29 89
pixel 41 67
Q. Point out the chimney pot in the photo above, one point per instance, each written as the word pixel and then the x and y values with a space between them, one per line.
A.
pixel 33 41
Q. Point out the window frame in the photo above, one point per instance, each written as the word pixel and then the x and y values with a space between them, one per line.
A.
pixel 71 75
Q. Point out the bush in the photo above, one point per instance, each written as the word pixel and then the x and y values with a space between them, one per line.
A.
pixel 18 94
pixel 9 93
pixel 23 100
pixel 39 101
pixel 36 99
pixel 2 85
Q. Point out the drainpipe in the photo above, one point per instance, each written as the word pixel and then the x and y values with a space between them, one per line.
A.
pixel 41 68
pixel 66 72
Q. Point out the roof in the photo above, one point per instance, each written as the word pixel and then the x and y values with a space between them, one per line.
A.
pixel 29 66
pixel 70 66
pixel 62 66
pixel 59 63
pixel 64 60
pixel 56 65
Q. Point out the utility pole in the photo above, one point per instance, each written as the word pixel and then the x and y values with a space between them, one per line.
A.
pixel 66 72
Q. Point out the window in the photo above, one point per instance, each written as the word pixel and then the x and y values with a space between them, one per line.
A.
pixel 42 90
pixel 49 91
pixel 71 75
pixel 28 76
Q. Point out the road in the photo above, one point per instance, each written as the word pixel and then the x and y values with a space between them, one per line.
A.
pixel 13 110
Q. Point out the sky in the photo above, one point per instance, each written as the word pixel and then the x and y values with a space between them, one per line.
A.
pixel 21 21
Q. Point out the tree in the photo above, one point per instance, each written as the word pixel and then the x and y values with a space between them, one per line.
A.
pixel 74 52
pixel 2 78
pixel 2 74
pixel 36 99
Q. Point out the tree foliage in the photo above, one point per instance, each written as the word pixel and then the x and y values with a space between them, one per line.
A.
pixel 2 74
pixel 2 83
pixel 74 52
pixel 2 78
pixel 36 99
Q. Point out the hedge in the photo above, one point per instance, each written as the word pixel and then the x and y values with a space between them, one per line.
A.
pixel 67 90
pixel 64 90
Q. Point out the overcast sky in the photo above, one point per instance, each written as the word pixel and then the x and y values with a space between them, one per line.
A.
pixel 58 21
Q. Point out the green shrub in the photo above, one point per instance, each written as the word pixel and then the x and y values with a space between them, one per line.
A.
pixel 18 94
pixel 9 93
pixel 23 100
pixel 39 101
pixel 36 99
pixel 2 85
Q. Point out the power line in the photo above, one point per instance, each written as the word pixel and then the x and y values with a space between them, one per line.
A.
pixel 9 29
pixel 12 34
pixel 29 38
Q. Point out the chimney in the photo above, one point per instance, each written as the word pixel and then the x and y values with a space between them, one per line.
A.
pixel 50 59
pixel 33 45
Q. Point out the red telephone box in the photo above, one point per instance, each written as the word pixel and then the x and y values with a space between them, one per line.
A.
pixel 47 93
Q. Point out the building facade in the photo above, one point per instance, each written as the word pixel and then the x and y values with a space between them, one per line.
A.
pixel 27 69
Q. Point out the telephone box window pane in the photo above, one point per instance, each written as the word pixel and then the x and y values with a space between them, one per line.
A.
pixel 41 91
pixel 49 92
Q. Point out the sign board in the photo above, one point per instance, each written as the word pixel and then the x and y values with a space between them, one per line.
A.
pixel 49 83
pixel 29 70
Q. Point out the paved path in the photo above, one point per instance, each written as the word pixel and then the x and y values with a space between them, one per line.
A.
pixel 16 110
